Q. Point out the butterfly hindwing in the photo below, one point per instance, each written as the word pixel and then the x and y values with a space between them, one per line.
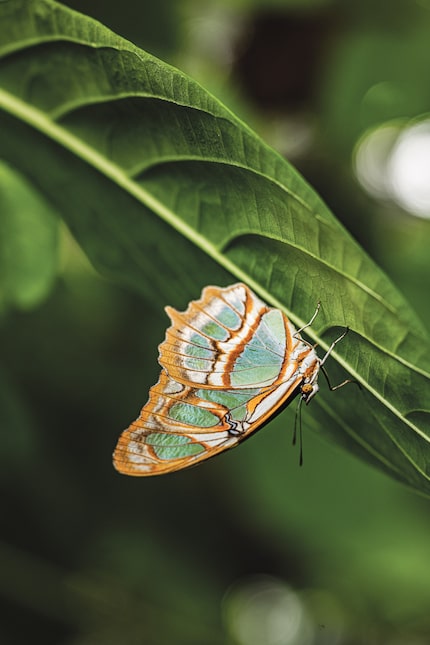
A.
pixel 182 425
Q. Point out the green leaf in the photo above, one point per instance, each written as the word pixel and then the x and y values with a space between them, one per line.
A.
pixel 28 242
pixel 167 190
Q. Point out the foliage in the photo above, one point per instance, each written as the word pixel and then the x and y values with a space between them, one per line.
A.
pixel 143 164
pixel 166 190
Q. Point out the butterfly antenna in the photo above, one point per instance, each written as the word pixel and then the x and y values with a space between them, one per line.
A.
pixel 298 422
pixel 301 444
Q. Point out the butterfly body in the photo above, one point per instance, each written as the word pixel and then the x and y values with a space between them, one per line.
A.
pixel 229 364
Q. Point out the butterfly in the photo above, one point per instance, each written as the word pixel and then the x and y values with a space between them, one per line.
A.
pixel 229 363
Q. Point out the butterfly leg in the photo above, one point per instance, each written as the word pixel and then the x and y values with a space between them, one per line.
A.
pixel 315 314
pixel 324 371
pixel 297 333
pixel 331 387
pixel 332 346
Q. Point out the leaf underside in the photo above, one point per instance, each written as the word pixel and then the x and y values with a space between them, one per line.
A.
pixel 167 190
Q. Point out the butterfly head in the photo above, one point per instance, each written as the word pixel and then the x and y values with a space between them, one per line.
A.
pixel 308 390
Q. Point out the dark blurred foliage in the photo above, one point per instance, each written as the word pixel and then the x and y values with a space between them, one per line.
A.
pixel 90 557
pixel 153 27
pixel 281 61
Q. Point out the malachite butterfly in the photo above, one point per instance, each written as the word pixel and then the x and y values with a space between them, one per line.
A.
pixel 229 364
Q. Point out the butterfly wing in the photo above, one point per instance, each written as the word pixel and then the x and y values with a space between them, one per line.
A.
pixel 229 363
pixel 180 425
pixel 229 339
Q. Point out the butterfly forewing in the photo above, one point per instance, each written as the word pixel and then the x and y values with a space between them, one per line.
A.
pixel 227 339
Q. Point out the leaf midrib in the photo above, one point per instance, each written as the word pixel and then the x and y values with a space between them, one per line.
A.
pixel 61 135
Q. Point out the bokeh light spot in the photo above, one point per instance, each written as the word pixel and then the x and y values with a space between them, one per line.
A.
pixel 409 169
pixel 371 158
pixel 265 610
pixel 392 162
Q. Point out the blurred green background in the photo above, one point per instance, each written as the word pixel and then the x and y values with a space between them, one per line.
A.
pixel 247 549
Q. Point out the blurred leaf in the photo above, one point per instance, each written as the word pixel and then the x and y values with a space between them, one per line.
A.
pixel 275 4
pixel 154 23
pixel 166 190
pixel 17 447
pixel 362 526
pixel 28 242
